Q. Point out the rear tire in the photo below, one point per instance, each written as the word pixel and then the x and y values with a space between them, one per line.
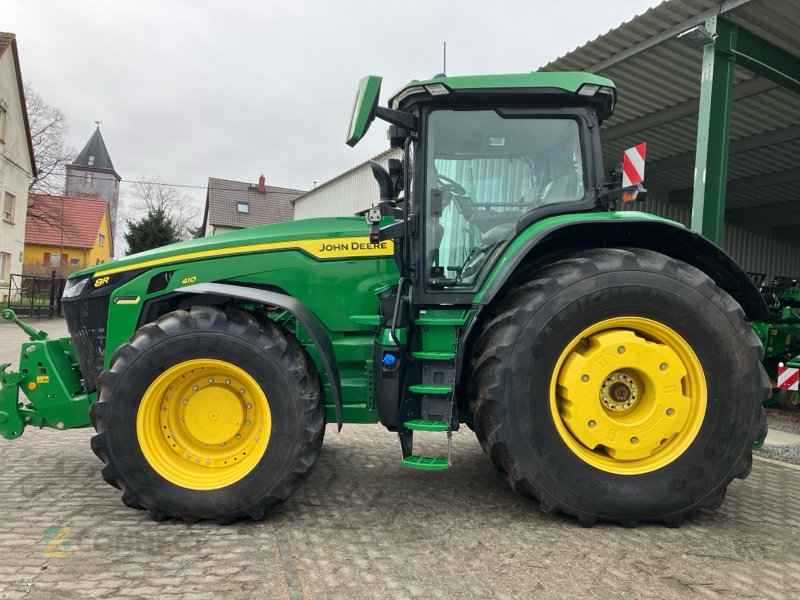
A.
pixel 208 415
pixel 619 385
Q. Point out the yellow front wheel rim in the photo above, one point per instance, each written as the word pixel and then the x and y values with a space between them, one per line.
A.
pixel 204 424
pixel 628 395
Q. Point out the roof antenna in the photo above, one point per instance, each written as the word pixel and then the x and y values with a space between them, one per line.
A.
pixel 444 62
pixel 97 123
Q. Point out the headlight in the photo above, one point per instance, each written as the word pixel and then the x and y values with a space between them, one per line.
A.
pixel 74 287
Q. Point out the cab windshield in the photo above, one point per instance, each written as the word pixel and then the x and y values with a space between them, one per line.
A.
pixel 484 172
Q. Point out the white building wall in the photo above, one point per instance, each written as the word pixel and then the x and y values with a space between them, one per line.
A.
pixel 15 167
pixel 345 195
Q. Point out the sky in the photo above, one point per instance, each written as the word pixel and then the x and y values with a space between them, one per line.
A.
pixel 188 90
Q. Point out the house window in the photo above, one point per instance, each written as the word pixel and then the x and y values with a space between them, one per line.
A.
pixel 2 124
pixel 5 266
pixel 243 207
pixel 9 200
pixel 101 239
pixel 74 261
pixel 56 260
pixel 87 178
pixel 91 160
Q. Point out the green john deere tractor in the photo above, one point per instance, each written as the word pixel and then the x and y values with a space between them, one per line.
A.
pixel 603 358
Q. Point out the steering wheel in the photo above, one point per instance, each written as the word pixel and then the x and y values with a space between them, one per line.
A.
pixel 465 205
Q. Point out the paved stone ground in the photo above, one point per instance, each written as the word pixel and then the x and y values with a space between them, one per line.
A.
pixel 362 526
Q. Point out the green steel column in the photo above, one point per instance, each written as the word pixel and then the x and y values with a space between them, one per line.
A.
pixel 713 130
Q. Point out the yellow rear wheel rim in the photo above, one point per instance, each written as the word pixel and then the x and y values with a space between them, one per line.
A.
pixel 204 424
pixel 628 395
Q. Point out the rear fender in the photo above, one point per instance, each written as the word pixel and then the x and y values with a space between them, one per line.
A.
pixel 537 246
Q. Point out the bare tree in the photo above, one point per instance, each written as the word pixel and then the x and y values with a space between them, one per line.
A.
pixel 151 196
pixel 48 127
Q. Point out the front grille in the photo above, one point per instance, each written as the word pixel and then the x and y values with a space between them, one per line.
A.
pixel 86 320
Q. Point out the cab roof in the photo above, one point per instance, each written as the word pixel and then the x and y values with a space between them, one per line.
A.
pixel 515 84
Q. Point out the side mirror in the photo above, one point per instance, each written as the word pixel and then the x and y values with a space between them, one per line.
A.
pixel 364 108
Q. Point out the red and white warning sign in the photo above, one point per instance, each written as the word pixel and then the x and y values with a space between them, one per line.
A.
pixel 633 165
pixel 789 378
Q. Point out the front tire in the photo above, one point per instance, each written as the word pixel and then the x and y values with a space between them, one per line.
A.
pixel 208 415
pixel 619 385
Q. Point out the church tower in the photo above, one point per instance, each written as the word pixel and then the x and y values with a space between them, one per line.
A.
pixel 92 175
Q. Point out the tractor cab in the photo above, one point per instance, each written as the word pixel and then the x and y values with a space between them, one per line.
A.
pixel 485 156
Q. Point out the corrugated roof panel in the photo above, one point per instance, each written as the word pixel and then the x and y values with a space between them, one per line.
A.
pixel 637 30
pixel 775 20
pixel 658 83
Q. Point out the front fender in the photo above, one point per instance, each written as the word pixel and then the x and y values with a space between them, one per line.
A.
pixel 307 319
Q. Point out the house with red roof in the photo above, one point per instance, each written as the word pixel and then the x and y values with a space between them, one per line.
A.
pixel 65 234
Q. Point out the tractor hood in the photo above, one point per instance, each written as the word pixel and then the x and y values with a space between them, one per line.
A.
pixel 312 236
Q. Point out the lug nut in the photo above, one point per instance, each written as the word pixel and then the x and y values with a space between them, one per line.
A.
pixel 634 440
pixel 210 380
pixel 591 423
pixel 186 401
pixel 241 390
pixel 621 349
pixel 195 388
pixel 663 366
pixel 249 406
pixel 670 412
pixel 227 382
pixel 585 378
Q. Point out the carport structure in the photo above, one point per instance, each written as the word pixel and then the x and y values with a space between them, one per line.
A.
pixel 714 90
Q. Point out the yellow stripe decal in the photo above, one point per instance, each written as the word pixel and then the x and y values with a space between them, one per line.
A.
pixel 322 248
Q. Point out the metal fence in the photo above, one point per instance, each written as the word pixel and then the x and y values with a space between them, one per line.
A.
pixel 32 296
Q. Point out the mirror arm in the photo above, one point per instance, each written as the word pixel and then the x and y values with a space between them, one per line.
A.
pixel 400 118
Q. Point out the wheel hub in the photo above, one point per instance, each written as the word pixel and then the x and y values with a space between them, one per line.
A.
pixel 628 395
pixel 213 423
pixel 214 414
pixel 619 392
